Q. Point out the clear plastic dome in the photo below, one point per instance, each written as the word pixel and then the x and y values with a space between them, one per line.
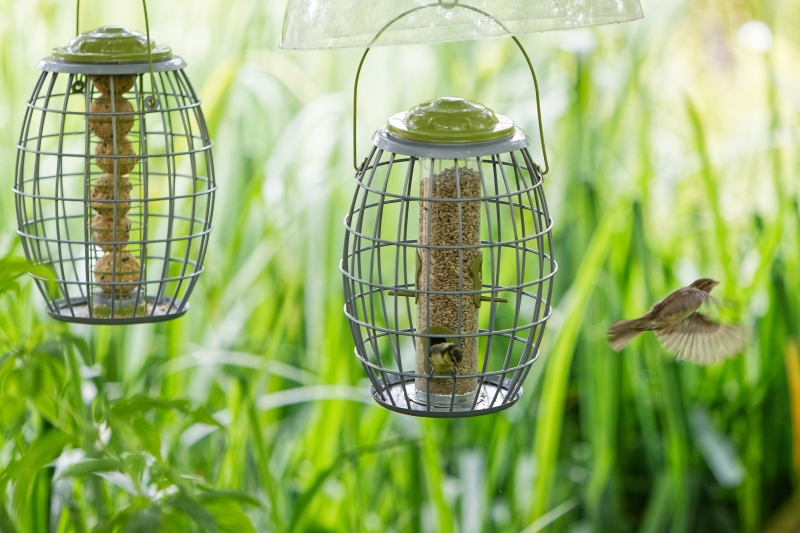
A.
pixel 321 24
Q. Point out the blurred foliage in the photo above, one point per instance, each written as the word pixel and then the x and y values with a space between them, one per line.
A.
pixel 674 154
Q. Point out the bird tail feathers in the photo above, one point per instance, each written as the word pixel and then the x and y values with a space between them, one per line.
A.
pixel 623 332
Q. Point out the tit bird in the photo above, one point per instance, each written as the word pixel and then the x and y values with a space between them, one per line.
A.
pixel 444 357
pixel 683 331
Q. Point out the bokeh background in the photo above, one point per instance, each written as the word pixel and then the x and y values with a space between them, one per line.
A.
pixel 674 154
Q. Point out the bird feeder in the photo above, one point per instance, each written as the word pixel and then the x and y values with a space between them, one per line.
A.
pixel 114 180
pixel 448 240
pixel 448 243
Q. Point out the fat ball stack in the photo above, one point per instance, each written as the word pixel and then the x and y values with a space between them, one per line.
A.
pixel 111 119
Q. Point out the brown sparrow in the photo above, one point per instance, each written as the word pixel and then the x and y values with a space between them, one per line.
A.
pixel 683 331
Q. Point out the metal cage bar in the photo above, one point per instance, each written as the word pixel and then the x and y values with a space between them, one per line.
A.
pixel 143 193
pixel 518 266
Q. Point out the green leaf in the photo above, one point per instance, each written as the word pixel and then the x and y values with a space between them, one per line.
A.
pixel 12 414
pixel 91 466
pixel 174 521
pixel 79 343
pixel 24 470
pixel 46 404
pixel 229 516
pixel 140 404
pixel 136 464
pixel 228 495
pixel 50 348
pixel 12 268
pixel 120 519
pixel 200 414
pixel 148 520
pixel 6 522
pixel 137 405
pixel 199 514
pixel 149 436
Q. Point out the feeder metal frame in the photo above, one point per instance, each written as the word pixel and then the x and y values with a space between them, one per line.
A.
pixel 512 191
pixel 522 195
pixel 168 111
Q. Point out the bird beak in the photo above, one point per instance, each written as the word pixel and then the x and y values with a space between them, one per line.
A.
pixel 714 283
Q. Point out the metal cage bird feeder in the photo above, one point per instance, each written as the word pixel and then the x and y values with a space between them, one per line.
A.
pixel 114 180
pixel 448 241
pixel 448 212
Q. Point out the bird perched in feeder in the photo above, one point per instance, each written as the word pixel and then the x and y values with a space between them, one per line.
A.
pixel 444 357
pixel 683 331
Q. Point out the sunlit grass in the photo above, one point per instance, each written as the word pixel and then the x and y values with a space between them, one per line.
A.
pixel 674 154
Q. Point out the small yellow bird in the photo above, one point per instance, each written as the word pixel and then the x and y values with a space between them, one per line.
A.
pixel 444 357
pixel 683 331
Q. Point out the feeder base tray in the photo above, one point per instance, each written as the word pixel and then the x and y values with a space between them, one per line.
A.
pixel 395 400
pixel 77 310
pixel 461 401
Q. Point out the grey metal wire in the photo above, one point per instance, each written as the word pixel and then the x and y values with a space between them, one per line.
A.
pixel 171 199
pixel 518 264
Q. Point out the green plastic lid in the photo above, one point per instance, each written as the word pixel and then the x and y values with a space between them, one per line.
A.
pixel 110 44
pixel 450 120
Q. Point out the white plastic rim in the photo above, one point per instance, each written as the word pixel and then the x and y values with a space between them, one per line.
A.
pixel 389 142
pixel 324 24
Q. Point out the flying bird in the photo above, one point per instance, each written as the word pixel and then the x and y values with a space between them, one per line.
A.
pixel 444 357
pixel 684 332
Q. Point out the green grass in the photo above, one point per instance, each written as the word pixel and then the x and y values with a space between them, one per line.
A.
pixel 674 154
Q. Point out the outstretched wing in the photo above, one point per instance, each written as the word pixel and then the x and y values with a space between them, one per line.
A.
pixel 702 341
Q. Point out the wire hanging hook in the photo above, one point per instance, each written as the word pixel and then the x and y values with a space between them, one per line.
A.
pixel 442 3
pixel 78 86
pixel 150 101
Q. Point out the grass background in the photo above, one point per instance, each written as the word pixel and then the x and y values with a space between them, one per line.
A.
pixel 674 154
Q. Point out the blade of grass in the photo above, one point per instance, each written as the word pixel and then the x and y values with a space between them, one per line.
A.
pixel 551 407
pixel 301 505
pixel 432 459
pixel 657 513
pixel 791 356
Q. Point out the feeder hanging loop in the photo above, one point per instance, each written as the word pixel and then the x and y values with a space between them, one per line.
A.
pixel 451 5
pixel 150 101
